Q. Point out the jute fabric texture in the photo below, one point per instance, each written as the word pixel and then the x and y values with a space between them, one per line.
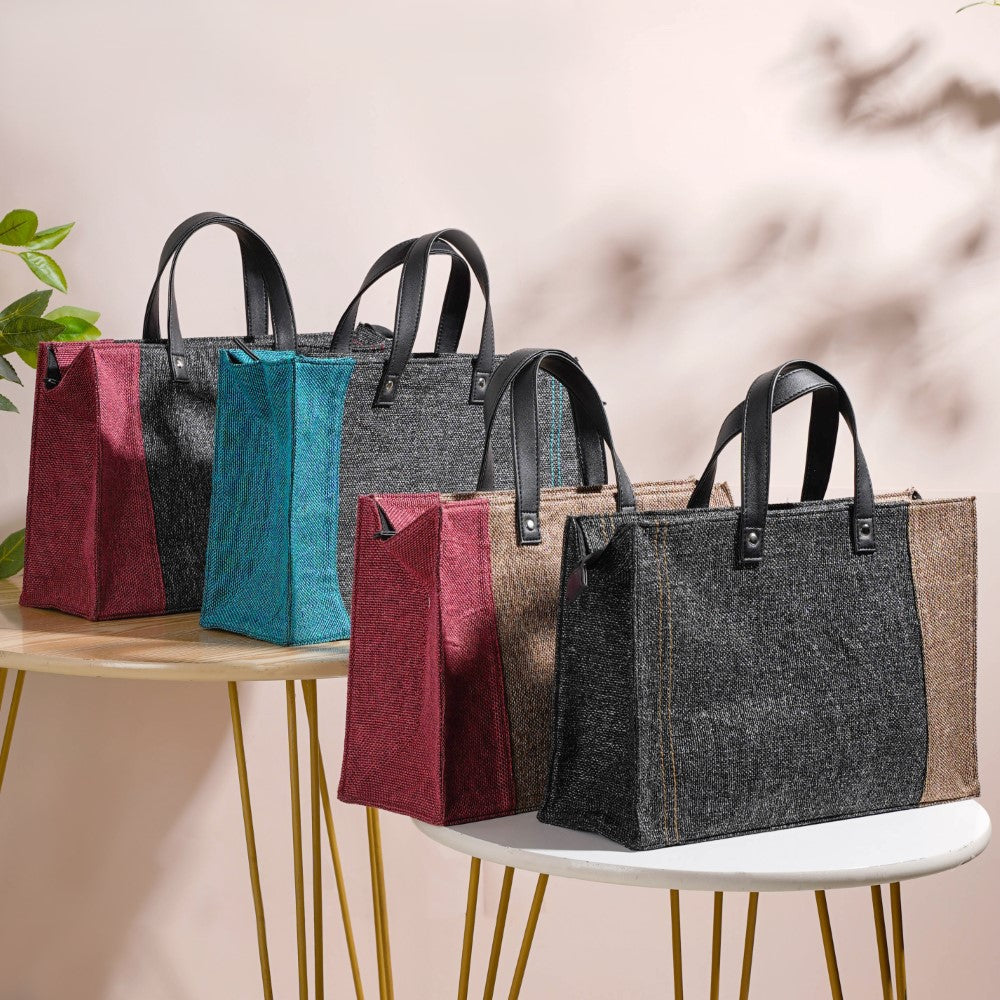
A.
pixel 431 438
pixel 271 569
pixel 449 708
pixel 696 699
pixel 120 477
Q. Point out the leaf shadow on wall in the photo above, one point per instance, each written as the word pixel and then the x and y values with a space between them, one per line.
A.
pixel 676 328
pixel 98 775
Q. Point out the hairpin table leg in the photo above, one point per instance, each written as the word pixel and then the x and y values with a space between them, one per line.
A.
pixel 878 911
pixel 470 929
pixel 293 781
pixel 675 936
pixel 501 923
pixel 382 952
pixel 831 954
pixel 258 902
pixel 716 946
pixel 752 901
pixel 529 934
pixel 8 732
pixel 309 697
pixel 896 904
pixel 338 871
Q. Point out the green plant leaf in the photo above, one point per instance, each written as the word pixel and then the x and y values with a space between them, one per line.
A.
pixel 6 404
pixel 75 328
pixel 24 333
pixel 44 267
pixel 8 371
pixel 12 554
pixel 32 304
pixel 18 227
pixel 30 358
pixel 48 238
pixel 59 314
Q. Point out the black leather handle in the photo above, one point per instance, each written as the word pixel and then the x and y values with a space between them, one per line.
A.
pixel 824 420
pixel 590 444
pixel 520 372
pixel 408 307
pixel 756 465
pixel 453 311
pixel 254 292
pixel 264 286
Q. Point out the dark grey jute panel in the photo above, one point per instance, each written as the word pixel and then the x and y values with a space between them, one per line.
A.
pixel 761 697
pixel 178 431
pixel 431 439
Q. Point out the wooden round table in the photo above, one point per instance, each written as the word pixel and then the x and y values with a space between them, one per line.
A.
pixel 176 648
pixel 869 851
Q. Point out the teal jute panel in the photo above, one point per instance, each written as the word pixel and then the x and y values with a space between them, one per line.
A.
pixel 271 566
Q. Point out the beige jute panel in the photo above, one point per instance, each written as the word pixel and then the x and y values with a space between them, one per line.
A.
pixel 943 559
pixel 526 595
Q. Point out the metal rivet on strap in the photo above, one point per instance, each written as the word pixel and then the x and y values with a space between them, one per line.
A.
pixel 753 537
pixel 481 382
pixel 389 385
pixel 866 529
pixel 529 524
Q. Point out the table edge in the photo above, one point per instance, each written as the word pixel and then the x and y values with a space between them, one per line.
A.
pixel 791 881
pixel 166 670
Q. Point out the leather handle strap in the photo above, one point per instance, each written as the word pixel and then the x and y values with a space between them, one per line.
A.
pixel 590 444
pixel 409 305
pixel 254 292
pixel 756 465
pixel 265 289
pixel 587 402
pixel 823 428
pixel 453 311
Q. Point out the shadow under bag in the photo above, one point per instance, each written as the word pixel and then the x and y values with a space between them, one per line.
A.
pixel 721 672
pixel 449 693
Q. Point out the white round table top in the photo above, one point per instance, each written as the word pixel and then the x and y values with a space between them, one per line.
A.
pixel 168 648
pixel 871 850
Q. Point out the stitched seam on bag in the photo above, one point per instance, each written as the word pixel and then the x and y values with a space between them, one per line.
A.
pixel 289 568
pixel 98 506
pixel 659 678
pixel 501 718
pixel 670 683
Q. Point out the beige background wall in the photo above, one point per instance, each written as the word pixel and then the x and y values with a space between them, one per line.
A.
pixel 682 195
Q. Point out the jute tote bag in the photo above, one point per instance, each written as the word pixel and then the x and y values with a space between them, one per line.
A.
pixel 727 671
pixel 121 450
pixel 413 422
pixel 449 705
pixel 271 565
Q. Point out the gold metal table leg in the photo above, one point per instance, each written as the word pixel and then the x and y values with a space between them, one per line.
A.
pixel 338 871
pixel 258 901
pixel 831 954
pixel 881 942
pixel 748 941
pixel 373 864
pixel 529 935
pixel 8 732
pixel 470 929
pixel 896 904
pixel 716 946
pixel 383 909
pixel 312 712
pixel 501 922
pixel 293 781
pixel 675 935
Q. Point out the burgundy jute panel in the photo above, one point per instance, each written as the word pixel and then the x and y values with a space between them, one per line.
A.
pixel 943 559
pixel 526 595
